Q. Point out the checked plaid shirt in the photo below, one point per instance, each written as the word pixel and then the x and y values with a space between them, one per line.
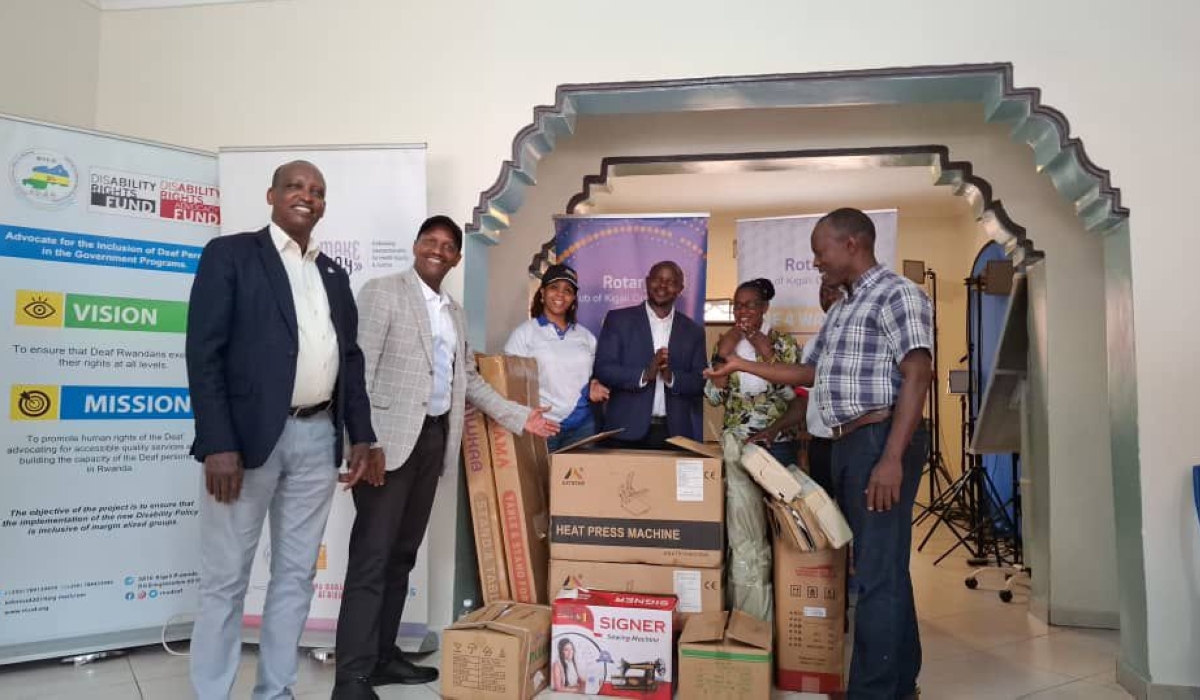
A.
pixel 866 334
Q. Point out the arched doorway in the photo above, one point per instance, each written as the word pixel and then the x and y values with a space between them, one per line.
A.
pixel 1055 152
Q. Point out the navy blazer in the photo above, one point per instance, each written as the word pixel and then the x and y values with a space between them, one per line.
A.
pixel 625 348
pixel 242 346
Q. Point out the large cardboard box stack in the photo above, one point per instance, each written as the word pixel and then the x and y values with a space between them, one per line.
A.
pixel 485 515
pixel 640 521
pixel 608 643
pixel 499 652
pixel 520 466
pixel 810 608
pixel 725 656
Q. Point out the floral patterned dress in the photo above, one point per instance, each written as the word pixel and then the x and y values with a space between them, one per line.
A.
pixel 746 415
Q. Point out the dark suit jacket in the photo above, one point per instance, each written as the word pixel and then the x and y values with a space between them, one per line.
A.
pixel 623 351
pixel 242 345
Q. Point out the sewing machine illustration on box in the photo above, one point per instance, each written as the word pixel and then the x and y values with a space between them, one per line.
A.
pixel 639 676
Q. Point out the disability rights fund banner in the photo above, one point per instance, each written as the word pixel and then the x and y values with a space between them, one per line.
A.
pixel 613 255
pixel 780 249
pixel 99 240
pixel 375 202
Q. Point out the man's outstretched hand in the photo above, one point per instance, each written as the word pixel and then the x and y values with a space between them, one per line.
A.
pixel 726 368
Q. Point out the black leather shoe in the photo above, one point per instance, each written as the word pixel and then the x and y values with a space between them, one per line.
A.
pixel 354 689
pixel 400 670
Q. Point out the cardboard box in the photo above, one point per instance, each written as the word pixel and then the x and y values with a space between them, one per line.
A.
pixel 810 609
pixel 485 515
pixel 520 465
pixel 607 643
pixel 697 590
pixel 768 473
pixel 808 508
pixel 499 652
pixel 794 524
pixel 639 507
pixel 725 656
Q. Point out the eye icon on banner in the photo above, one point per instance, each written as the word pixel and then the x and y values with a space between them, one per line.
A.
pixel 39 309
pixel 34 402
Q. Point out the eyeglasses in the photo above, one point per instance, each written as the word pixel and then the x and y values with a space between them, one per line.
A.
pixel 748 305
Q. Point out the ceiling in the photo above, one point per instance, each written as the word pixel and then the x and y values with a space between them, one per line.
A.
pixel 156 4
pixel 800 190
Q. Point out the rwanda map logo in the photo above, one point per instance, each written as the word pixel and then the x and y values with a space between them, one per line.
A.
pixel 44 177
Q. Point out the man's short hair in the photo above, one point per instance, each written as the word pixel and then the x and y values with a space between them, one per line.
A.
pixel 446 224
pixel 278 174
pixel 851 222
pixel 666 263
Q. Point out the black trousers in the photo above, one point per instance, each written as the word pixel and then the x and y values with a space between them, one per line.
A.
pixel 655 438
pixel 387 533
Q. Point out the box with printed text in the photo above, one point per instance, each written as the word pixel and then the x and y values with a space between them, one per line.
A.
pixel 609 643
pixel 638 506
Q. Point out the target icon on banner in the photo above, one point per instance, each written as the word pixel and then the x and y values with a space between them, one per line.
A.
pixel 34 402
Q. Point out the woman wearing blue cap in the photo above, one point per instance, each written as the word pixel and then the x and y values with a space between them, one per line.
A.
pixel 564 351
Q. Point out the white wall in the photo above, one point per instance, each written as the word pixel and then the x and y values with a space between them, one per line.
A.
pixel 464 76
pixel 49 51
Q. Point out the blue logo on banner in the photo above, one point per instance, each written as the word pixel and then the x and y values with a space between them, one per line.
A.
pixel 122 403
pixel 129 595
pixel 128 580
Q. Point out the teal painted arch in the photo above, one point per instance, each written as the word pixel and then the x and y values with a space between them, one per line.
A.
pixel 1041 127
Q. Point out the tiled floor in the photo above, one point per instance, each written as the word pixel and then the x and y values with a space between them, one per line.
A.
pixel 975 647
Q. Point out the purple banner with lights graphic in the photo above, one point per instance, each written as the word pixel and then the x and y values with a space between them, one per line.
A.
pixel 613 255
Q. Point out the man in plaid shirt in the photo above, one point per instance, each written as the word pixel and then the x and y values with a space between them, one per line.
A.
pixel 873 359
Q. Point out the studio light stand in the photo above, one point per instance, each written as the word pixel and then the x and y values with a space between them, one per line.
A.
pixel 936 473
pixel 989 534
pixel 942 506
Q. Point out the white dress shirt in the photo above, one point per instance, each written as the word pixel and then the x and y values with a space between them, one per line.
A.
pixel 660 332
pixel 445 340
pixel 317 351
pixel 816 425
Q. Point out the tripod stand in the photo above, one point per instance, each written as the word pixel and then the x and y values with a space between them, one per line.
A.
pixel 971 507
pixel 936 473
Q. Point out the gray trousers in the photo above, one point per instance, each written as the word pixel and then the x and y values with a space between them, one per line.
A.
pixel 295 485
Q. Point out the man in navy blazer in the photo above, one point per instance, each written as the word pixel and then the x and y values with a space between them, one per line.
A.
pixel 276 376
pixel 651 357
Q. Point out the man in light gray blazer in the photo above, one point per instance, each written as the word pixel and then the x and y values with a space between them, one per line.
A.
pixel 419 372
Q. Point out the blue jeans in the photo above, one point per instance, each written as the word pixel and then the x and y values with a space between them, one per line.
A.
pixel 784 452
pixel 585 429
pixel 887 643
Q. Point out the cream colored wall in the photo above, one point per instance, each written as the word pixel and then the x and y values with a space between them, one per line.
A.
pixel 464 76
pixel 49 51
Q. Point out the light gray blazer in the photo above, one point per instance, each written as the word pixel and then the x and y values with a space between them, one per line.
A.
pixel 397 344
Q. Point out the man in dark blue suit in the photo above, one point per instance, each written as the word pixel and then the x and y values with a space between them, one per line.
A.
pixel 651 357
pixel 276 376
